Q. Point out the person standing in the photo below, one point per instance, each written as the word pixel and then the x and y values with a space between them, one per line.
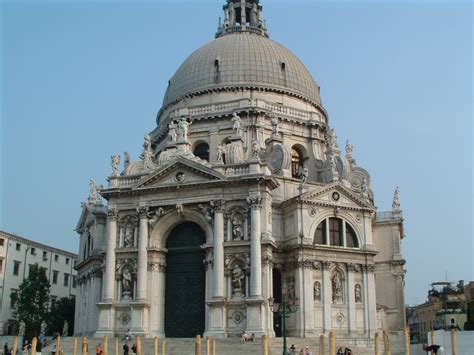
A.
pixel 98 349
pixel 126 349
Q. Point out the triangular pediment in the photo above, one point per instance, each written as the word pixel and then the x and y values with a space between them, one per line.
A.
pixel 180 171
pixel 336 194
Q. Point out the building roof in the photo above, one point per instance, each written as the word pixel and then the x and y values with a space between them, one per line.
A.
pixel 242 59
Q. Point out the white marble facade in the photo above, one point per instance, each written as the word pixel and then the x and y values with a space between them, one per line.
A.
pixel 256 168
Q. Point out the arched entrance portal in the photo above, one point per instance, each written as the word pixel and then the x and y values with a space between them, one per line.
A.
pixel 185 282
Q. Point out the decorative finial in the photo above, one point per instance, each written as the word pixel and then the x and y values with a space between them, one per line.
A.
pixel 147 152
pixel 396 199
pixel 94 196
pixel 236 19
pixel 115 163
pixel 349 149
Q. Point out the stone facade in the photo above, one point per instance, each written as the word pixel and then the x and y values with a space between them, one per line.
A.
pixel 242 150
pixel 17 252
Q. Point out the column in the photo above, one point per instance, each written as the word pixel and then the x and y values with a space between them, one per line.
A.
pixel 110 256
pixel 351 298
pixel 243 13
pixel 268 292
pixel 327 297
pixel 255 248
pixel 218 250
pixel 308 289
pixel 142 274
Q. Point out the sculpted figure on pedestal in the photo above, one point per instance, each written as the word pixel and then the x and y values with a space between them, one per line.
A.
pixel 275 126
pixel 304 172
pixel 349 149
pixel 336 288
pixel 255 148
pixel 220 152
pixel 237 280
pixel 396 199
pixel 317 291
pixel 21 328
pixel 183 129
pixel 147 153
pixel 65 329
pixel 128 236
pixel 357 293
pixel 126 282
pixel 237 124
pixel 115 163
pixel 126 160
pixel 237 231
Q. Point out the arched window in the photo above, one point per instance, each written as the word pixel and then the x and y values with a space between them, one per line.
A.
pixel 296 162
pixel 335 232
pixel 202 151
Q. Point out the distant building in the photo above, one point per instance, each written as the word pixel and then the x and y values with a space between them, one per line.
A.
pixel 16 253
pixel 445 309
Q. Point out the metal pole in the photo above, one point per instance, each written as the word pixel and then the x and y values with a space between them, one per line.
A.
pixel 284 327
pixel 264 344
pixel 454 345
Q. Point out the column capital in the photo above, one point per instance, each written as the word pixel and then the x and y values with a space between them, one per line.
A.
pixel 255 202
pixel 112 213
pixel 142 212
pixel 326 265
pixel 219 206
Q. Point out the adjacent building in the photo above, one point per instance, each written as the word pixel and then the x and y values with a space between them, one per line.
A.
pixel 241 199
pixel 17 254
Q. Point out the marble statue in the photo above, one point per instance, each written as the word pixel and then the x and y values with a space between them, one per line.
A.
pixel 357 293
pixel 237 127
pixel 255 148
pixel 396 199
pixel 115 163
pixel 94 192
pixel 183 129
pixel 237 280
pixel 331 138
pixel 349 149
pixel 317 291
pixel 275 126
pixel 65 329
pixel 126 160
pixel 237 232
pixel 21 328
pixel 220 152
pixel 126 281
pixel 363 186
pixel 304 172
pixel 128 236
pixel 172 132
pixel 336 288
pixel 147 152
pixel 291 290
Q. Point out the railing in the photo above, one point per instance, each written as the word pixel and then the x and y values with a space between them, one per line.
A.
pixel 388 216
pixel 237 170
pixel 124 181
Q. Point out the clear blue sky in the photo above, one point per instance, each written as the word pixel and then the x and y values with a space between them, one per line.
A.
pixel 82 80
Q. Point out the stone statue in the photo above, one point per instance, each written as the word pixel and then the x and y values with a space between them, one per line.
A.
pixel 237 232
pixel 94 192
pixel 43 327
pixel 65 329
pixel 349 149
pixel 147 152
pixel 336 288
pixel 128 236
pixel 220 152
pixel 396 199
pixel 126 282
pixel 21 328
pixel 303 174
pixel 291 290
pixel 237 127
pixel 275 126
pixel 115 164
pixel 172 132
pixel 126 160
pixel 357 293
pixel 254 15
pixel 255 148
pixel 147 142
pixel 331 138
pixel 207 211
pixel 183 129
pixel 363 186
pixel 317 291
pixel 237 280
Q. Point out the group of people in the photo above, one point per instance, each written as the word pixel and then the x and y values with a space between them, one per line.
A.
pixel 305 351
pixel 245 337
pixel 344 351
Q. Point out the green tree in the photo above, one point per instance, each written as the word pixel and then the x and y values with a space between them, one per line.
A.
pixel 32 299
pixel 61 310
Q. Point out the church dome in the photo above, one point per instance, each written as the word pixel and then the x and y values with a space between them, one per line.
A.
pixel 242 59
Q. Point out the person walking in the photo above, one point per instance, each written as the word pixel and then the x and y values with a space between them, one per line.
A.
pixel 134 348
pixel 126 349
pixel 98 349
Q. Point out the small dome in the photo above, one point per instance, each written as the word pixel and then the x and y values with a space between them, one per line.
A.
pixel 242 60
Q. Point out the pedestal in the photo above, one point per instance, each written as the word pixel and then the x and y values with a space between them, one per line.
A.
pixel 255 316
pixel 140 311
pixel 106 320
pixel 217 319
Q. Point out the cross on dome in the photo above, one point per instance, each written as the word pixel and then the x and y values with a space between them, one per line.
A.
pixel 237 20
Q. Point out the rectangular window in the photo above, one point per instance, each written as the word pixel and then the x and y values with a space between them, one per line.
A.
pixel 1 266
pixel 16 268
pixel 2 242
pixel 55 276
pixel 67 261
pixel 33 251
pixel 56 257
pixel 13 298
pixel 66 280
pixel 335 229
pixel 18 246
pixel 75 264
pixel 45 255
pixel 74 282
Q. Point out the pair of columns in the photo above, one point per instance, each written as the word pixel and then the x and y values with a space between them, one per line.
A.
pixel 109 278
pixel 255 249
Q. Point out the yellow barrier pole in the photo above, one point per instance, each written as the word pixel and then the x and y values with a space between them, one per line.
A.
pixel 58 345
pixel 377 343
pixel 386 343
pixel 213 346
pixel 163 346
pixel 74 346
pixel 105 347
pixel 198 345
pixel 407 341
pixel 322 345
pixel 332 343
pixel 454 342
pixel 155 346
pixel 265 344
pixel 84 346
pixel 15 345
pixel 208 345
pixel 117 346
pixel 433 337
pixel 34 342
pixel 139 345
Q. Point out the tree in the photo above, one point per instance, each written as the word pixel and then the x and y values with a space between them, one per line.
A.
pixel 32 299
pixel 61 310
